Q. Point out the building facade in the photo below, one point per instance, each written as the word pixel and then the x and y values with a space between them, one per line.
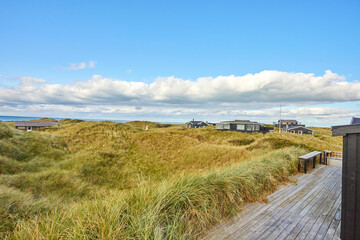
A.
pixel 300 130
pixel 30 126
pixel 196 124
pixel 242 126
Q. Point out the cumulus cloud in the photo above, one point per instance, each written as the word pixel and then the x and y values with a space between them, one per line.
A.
pixel 255 96
pixel 267 87
pixel 81 65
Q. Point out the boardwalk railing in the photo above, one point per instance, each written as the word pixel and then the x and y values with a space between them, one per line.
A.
pixel 307 157
pixel 331 154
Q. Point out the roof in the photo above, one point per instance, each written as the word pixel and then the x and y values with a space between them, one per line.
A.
pixel 355 120
pixel 240 122
pixel 35 124
pixel 342 130
pixel 283 120
pixel 293 127
pixel 195 122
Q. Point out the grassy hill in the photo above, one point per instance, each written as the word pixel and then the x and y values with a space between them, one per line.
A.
pixel 109 180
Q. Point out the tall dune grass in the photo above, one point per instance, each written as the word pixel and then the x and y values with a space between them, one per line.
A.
pixel 175 209
pixel 105 180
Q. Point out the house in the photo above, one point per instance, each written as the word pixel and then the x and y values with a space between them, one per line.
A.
pixel 283 123
pixel 196 124
pixel 293 126
pixel 300 130
pixel 29 126
pixel 242 126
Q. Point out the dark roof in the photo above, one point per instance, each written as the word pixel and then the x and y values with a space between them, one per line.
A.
pixel 293 127
pixel 355 120
pixel 195 122
pixel 240 122
pixel 287 120
pixel 35 124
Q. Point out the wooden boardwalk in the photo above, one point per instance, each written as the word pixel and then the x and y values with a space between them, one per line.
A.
pixel 309 209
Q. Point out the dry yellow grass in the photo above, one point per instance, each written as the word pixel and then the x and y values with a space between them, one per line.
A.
pixel 108 180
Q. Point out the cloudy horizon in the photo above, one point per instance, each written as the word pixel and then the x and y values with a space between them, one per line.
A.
pixel 304 96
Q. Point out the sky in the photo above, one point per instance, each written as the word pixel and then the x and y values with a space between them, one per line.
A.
pixel 174 61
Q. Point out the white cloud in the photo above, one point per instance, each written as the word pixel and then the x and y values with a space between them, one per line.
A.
pixel 1 75
pixel 128 71
pixel 254 96
pixel 30 81
pixel 267 88
pixel 81 65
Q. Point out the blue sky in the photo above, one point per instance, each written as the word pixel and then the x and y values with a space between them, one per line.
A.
pixel 144 41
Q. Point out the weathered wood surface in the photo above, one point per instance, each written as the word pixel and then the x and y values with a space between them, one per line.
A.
pixel 310 155
pixel 309 209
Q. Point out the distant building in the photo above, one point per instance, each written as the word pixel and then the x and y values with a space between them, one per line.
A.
pixel 196 124
pixel 288 123
pixel 300 130
pixel 293 126
pixel 242 126
pixel 29 126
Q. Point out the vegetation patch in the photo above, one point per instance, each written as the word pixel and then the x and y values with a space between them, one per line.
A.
pixel 278 143
pixel 177 209
pixel 242 142
pixel 106 180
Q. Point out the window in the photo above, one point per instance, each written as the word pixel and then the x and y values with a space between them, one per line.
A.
pixel 227 126
pixel 249 128
pixel 257 127
pixel 240 127
pixel 219 126
pixel 22 128
pixel 300 132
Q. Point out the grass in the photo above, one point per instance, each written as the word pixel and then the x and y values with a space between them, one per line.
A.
pixel 105 180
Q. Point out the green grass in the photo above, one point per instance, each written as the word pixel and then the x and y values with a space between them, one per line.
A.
pixel 87 180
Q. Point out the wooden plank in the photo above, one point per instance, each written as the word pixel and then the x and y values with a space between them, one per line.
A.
pixel 357 188
pixel 330 202
pixel 252 208
pixel 298 219
pixel 306 230
pixel 344 183
pixel 288 210
pixel 305 216
pixel 336 221
pixel 273 209
pixel 348 214
pixel 321 234
pixel 280 222
pixel 310 155
pixel 294 221
pixel 337 233
pixel 244 219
